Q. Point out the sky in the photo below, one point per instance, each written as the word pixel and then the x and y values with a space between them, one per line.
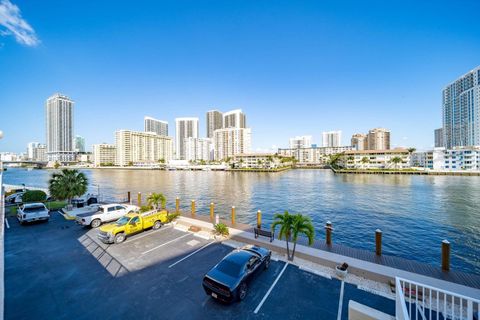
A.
pixel 294 67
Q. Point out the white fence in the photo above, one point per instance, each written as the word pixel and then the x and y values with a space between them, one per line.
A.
pixel 418 301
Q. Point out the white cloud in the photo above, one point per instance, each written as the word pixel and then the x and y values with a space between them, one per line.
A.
pixel 12 23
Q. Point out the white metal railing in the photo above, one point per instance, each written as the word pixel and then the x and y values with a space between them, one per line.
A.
pixel 419 301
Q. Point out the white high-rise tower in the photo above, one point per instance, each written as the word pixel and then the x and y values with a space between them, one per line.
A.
pixel 234 119
pixel 461 111
pixel 158 126
pixel 59 128
pixel 184 128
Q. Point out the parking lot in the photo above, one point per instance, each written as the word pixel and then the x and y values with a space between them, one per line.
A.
pixel 60 270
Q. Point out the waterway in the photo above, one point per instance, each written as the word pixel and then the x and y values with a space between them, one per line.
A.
pixel 415 213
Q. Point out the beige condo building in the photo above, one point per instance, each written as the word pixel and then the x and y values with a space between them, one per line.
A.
pixel 142 148
pixel 104 154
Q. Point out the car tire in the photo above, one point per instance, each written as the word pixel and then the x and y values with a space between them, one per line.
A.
pixel 95 223
pixel 267 263
pixel 119 238
pixel 157 225
pixel 242 291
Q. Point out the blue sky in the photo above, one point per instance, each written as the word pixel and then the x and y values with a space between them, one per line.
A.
pixel 294 67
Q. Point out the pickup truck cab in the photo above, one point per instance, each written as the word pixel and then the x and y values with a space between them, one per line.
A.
pixel 105 213
pixel 32 212
pixel 131 224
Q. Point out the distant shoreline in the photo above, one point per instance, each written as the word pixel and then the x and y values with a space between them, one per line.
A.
pixel 407 172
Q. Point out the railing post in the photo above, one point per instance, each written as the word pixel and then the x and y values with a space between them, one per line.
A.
pixel 445 255
pixel 177 205
pixel 193 208
pixel 328 229
pixel 212 211
pixel 139 199
pixel 129 197
pixel 259 219
pixel 378 242
pixel 233 215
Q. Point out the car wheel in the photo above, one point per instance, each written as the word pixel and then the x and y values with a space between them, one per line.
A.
pixel 120 237
pixel 242 291
pixel 267 263
pixel 96 223
pixel 157 225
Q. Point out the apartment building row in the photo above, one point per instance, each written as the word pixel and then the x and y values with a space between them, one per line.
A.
pixel 442 159
pixel 229 137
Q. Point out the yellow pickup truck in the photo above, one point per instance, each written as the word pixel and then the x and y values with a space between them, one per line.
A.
pixel 131 224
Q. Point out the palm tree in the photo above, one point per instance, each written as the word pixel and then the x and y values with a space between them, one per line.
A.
pixel 365 160
pixel 334 158
pixel 155 198
pixel 396 161
pixel 285 221
pixel 411 150
pixel 291 227
pixel 67 184
pixel 302 225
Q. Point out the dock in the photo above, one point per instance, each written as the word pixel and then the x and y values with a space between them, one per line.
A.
pixel 454 276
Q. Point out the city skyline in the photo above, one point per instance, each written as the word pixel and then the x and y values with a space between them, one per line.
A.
pixel 283 96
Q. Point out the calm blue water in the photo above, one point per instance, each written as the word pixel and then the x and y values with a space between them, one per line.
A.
pixel 415 213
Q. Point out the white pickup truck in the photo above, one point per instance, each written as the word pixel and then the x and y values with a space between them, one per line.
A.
pixel 32 212
pixel 105 213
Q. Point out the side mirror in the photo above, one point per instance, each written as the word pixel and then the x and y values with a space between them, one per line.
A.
pixel 133 223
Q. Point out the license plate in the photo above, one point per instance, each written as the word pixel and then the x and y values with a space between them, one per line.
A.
pixel 214 295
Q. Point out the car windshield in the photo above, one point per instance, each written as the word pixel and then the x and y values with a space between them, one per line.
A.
pixel 34 209
pixel 122 221
pixel 229 267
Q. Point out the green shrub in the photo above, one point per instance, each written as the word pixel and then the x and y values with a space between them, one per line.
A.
pixel 172 216
pixel 145 209
pixel 34 196
pixel 221 229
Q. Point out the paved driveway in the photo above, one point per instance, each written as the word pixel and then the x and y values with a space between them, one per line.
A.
pixel 58 270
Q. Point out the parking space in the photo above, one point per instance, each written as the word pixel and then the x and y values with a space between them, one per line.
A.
pixel 152 247
pixel 317 297
pixel 64 272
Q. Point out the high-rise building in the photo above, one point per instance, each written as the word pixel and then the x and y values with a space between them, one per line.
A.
pixel 184 128
pixel 378 139
pixel 214 122
pixel 79 144
pixel 59 128
pixel 332 139
pixel 158 126
pixel 142 148
pixel 231 141
pixel 234 119
pixel 104 154
pixel 300 142
pixel 197 149
pixel 30 149
pixel 36 151
pixel 461 111
pixel 439 138
pixel 359 141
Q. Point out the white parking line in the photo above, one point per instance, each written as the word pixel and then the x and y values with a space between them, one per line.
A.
pixel 270 290
pixel 191 254
pixel 149 233
pixel 340 302
pixel 164 244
